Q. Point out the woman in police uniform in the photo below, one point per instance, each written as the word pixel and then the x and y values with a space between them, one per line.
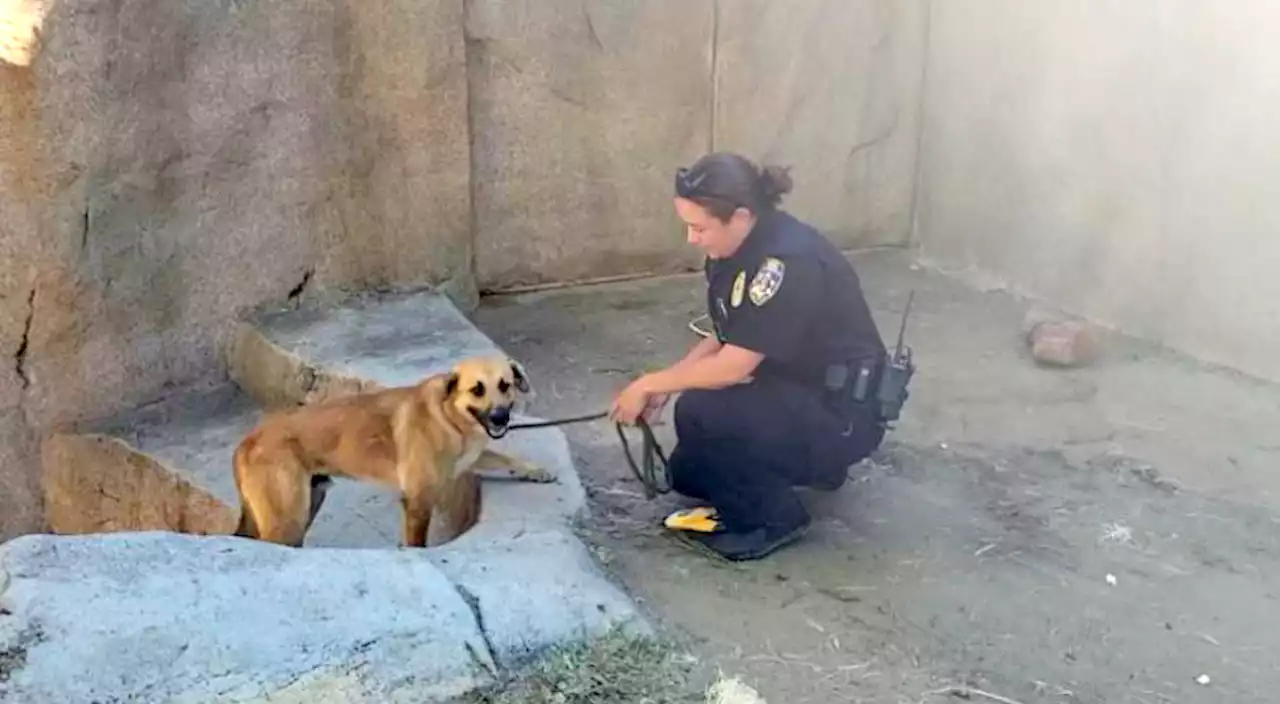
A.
pixel 790 321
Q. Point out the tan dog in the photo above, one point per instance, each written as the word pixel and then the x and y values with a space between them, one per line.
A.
pixel 424 441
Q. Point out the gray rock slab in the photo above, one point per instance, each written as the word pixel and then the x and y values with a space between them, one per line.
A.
pixel 510 506
pixel 535 590
pixel 392 339
pixel 195 434
pixel 176 618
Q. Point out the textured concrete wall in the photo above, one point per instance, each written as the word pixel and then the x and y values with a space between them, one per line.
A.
pixel 1120 159
pixel 21 252
pixel 581 112
pixel 832 89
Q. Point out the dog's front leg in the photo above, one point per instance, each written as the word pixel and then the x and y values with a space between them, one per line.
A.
pixel 491 460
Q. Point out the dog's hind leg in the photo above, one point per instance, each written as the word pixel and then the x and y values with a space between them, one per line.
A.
pixel 279 501
pixel 320 486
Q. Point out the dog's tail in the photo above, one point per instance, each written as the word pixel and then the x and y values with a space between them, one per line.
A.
pixel 246 528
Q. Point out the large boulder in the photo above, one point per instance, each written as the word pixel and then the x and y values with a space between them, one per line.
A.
pixel 168 617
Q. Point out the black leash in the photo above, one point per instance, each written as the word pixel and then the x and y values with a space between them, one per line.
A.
pixel 646 471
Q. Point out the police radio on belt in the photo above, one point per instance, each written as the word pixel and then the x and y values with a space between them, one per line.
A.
pixel 895 372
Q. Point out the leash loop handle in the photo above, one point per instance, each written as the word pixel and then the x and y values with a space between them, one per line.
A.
pixel 645 471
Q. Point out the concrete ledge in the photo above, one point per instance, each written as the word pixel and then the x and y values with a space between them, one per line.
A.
pixel 98 483
pixel 534 590
pixel 167 617
pixel 291 357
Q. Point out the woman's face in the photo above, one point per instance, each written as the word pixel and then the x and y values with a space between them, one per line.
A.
pixel 717 239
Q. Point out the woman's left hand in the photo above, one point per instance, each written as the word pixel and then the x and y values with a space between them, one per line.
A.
pixel 630 403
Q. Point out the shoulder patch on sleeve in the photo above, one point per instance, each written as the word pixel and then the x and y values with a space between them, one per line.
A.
pixel 739 285
pixel 767 281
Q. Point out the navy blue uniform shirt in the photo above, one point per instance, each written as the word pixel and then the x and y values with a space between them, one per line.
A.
pixel 790 295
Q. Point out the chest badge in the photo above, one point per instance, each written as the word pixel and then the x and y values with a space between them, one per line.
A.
pixel 739 285
pixel 767 281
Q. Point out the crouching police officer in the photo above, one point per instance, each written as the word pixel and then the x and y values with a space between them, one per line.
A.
pixel 783 393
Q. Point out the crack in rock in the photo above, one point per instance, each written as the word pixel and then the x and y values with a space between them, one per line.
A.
pixel 20 357
pixel 473 603
pixel 296 291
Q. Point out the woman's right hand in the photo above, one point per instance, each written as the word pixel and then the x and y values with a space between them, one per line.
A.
pixel 653 410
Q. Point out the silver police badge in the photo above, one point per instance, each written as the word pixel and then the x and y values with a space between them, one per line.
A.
pixel 767 281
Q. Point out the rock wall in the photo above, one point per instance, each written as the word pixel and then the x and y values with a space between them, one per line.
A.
pixel 581 111
pixel 832 89
pixel 20 251
pixel 166 166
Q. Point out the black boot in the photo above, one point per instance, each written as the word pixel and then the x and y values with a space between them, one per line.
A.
pixel 752 544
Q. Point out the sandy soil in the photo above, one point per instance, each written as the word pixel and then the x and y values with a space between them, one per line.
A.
pixel 1106 534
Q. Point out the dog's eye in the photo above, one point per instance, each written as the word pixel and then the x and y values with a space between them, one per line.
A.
pixel 503 386
pixel 478 390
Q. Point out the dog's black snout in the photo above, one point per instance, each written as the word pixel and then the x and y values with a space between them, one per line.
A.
pixel 500 415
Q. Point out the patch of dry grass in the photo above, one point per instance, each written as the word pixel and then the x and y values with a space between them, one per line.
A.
pixel 617 668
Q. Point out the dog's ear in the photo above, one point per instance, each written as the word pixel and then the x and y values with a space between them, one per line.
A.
pixel 451 384
pixel 521 377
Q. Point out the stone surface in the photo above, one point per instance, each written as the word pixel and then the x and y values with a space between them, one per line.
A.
pixel 23 255
pixel 1124 174
pixel 535 590
pixel 286 357
pixel 1069 343
pixel 98 483
pixel 21 499
pixel 581 112
pixel 165 617
pixel 832 89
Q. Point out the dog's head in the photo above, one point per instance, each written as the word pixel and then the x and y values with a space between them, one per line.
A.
pixel 486 389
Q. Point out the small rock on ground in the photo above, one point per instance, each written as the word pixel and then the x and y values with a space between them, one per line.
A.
pixel 1063 343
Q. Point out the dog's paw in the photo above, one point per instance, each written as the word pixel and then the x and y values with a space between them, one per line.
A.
pixel 538 475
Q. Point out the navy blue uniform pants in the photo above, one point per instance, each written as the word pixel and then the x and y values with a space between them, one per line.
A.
pixel 744 447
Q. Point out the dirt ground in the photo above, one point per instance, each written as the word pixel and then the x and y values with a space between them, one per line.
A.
pixel 1106 534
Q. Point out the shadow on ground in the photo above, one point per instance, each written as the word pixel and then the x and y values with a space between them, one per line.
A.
pixel 1098 535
